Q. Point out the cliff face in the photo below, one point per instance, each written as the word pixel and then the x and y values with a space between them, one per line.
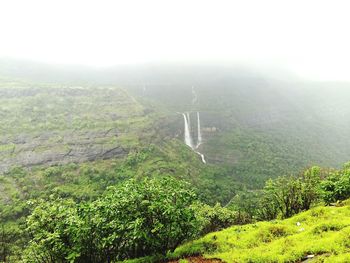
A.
pixel 72 146
pixel 50 125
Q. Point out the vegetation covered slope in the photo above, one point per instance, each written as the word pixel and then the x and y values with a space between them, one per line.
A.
pixel 59 125
pixel 322 232
pixel 260 126
pixel 86 181
pixel 95 137
pixel 263 127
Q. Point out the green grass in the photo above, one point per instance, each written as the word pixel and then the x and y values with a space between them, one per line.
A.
pixel 323 232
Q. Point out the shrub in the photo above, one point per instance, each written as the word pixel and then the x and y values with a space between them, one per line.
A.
pixel 214 218
pixel 336 187
pixel 131 220
pixel 53 227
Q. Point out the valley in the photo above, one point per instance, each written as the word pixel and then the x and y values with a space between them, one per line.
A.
pixel 184 131
pixel 71 143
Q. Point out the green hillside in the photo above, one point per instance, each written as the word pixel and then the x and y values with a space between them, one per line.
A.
pixel 99 173
pixel 49 125
pixel 322 233
pixel 261 127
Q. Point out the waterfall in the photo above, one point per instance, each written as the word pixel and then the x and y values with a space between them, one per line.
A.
pixel 187 124
pixel 199 134
pixel 199 137
pixel 188 138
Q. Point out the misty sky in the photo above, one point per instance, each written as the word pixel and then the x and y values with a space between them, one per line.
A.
pixel 309 37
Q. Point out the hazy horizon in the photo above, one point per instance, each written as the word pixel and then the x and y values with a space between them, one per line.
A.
pixel 305 38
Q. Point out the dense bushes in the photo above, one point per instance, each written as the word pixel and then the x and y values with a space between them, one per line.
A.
pixel 132 220
pixel 288 195
pixel 291 195
pixel 11 240
pixel 153 216
pixel 56 232
pixel 214 218
pixel 281 197
pixel 336 186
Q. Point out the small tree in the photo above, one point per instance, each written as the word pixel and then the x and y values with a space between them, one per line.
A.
pixel 310 186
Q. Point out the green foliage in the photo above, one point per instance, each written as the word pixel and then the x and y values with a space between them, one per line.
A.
pixel 150 216
pixel 283 196
pixel 11 241
pixel 336 186
pixel 87 181
pixel 255 156
pixel 266 129
pixel 132 220
pixel 55 230
pixel 214 218
pixel 247 204
pixel 51 108
pixel 290 195
pixel 322 231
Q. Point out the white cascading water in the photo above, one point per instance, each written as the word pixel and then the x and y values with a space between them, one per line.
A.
pixel 199 134
pixel 187 124
pixel 188 138
pixel 199 138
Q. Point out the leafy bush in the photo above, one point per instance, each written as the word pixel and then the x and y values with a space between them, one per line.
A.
pixel 214 218
pixel 283 196
pixel 246 203
pixel 131 220
pixel 55 230
pixel 11 239
pixel 144 218
pixel 336 186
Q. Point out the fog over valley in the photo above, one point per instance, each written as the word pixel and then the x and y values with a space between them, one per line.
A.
pixel 174 131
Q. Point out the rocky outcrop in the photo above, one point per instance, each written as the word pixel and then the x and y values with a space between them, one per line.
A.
pixel 50 148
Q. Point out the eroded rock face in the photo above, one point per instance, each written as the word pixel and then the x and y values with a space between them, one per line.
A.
pixel 50 148
pixel 58 125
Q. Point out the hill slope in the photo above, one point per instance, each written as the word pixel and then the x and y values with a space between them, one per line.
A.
pixel 322 233
pixel 59 125
pixel 259 124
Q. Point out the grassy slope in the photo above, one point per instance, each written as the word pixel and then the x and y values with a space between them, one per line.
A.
pixel 323 232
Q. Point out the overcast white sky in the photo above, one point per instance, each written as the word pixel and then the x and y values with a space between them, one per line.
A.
pixel 309 37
